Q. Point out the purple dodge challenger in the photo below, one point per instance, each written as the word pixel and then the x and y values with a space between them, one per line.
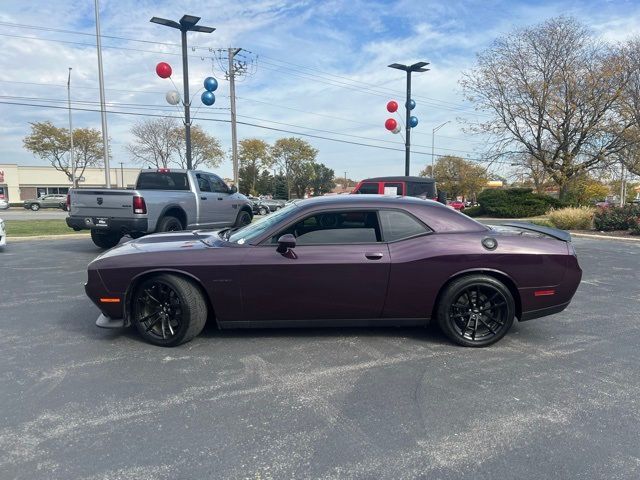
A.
pixel 341 260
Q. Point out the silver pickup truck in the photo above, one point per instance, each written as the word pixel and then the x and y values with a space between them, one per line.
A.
pixel 163 200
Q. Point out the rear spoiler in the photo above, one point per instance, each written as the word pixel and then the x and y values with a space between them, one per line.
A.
pixel 552 232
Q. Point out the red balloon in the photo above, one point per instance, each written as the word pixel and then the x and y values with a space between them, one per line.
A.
pixel 163 70
pixel 390 124
pixel 392 106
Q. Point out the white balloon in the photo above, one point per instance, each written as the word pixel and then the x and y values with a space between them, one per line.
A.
pixel 396 130
pixel 173 97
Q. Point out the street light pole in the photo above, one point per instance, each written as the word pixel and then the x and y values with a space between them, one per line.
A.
pixel 186 24
pixel 72 158
pixel 416 67
pixel 433 141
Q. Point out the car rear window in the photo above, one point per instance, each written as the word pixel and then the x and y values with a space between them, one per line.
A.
pixel 419 189
pixel 397 225
pixel 163 181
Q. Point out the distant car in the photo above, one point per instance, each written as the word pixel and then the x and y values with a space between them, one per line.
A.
pixel 3 204
pixel 456 205
pixel 272 204
pixel 3 234
pixel 421 187
pixel 344 260
pixel 47 201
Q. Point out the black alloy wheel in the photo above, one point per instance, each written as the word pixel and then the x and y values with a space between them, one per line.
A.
pixel 476 311
pixel 168 310
pixel 169 224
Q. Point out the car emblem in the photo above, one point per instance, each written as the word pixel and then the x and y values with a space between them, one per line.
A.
pixel 99 200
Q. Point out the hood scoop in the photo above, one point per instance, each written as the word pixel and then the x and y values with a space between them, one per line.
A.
pixel 168 237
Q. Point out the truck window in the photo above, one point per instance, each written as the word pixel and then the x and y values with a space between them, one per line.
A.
pixel 218 184
pixel 203 183
pixel 368 188
pixel 422 190
pixel 162 181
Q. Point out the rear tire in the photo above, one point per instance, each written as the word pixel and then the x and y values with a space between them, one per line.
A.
pixel 476 311
pixel 244 218
pixel 105 239
pixel 169 224
pixel 168 310
pixel 34 207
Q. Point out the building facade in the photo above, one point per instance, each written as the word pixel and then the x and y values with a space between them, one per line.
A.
pixel 23 182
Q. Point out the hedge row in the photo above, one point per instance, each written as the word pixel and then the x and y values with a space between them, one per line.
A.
pixel 618 218
pixel 512 203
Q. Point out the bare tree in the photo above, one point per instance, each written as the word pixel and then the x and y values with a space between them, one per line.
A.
pixel 154 142
pixel 205 149
pixel 552 93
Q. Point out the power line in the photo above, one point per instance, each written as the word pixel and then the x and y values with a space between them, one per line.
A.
pixel 302 134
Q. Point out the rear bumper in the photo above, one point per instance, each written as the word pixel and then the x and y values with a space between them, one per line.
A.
pixel 122 225
pixel 543 312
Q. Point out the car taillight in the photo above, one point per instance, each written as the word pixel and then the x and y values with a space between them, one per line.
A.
pixel 163 170
pixel 138 205
pixel 68 201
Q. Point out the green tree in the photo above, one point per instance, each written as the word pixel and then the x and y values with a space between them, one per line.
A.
pixel 253 157
pixel 323 179
pixel 205 149
pixel 294 157
pixel 459 177
pixel 52 144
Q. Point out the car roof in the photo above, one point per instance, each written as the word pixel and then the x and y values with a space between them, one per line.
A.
pixel 403 178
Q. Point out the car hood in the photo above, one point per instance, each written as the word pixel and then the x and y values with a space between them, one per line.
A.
pixel 167 241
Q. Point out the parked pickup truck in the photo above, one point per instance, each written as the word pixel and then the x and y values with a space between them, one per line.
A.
pixel 163 200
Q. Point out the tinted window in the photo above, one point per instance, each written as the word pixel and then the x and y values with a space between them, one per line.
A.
pixel 335 228
pixel 397 225
pixel 217 184
pixel 368 188
pixel 163 181
pixel 423 190
pixel 203 183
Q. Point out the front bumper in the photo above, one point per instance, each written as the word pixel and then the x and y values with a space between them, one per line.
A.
pixel 105 322
pixel 121 225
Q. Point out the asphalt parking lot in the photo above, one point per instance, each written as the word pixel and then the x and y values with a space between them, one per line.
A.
pixel 557 398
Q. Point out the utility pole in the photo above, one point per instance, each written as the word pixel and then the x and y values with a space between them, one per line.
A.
pixel 72 158
pixel 122 175
pixel 231 53
pixel 103 112
pixel 345 181
pixel 622 185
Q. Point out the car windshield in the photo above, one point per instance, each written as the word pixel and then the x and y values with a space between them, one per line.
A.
pixel 255 229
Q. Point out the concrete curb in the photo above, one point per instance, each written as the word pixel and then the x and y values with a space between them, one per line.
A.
pixel 47 237
pixel 604 237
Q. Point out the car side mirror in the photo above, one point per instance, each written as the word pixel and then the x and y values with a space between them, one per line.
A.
pixel 286 242
pixel 233 189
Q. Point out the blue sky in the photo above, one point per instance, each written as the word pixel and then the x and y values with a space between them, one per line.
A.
pixel 321 68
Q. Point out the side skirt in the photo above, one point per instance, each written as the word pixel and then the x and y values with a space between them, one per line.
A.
pixel 350 322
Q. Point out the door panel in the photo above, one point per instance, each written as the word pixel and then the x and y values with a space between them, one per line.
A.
pixel 225 205
pixel 206 201
pixel 315 282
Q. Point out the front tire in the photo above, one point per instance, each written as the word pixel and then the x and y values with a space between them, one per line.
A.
pixel 244 218
pixel 263 211
pixel 168 310
pixel 34 207
pixel 105 239
pixel 476 311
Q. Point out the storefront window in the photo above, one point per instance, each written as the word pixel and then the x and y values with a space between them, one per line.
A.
pixel 41 191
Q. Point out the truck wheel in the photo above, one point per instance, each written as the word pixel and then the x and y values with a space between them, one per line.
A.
pixel 105 239
pixel 243 219
pixel 35 207
pixel 169 224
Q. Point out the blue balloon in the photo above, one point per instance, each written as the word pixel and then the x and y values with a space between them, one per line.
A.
pixel 208 98
pixel 411 104
pixel 210 84
pixel 413 121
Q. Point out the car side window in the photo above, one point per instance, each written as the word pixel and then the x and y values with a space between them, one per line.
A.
pixel 328 228
pixel 368 188
pixel 397 225
pixel 203 183
pixel 218 184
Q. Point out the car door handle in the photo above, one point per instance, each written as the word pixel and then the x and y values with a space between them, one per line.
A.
pixel 219 198
pixel 374 255
pixel 203 198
